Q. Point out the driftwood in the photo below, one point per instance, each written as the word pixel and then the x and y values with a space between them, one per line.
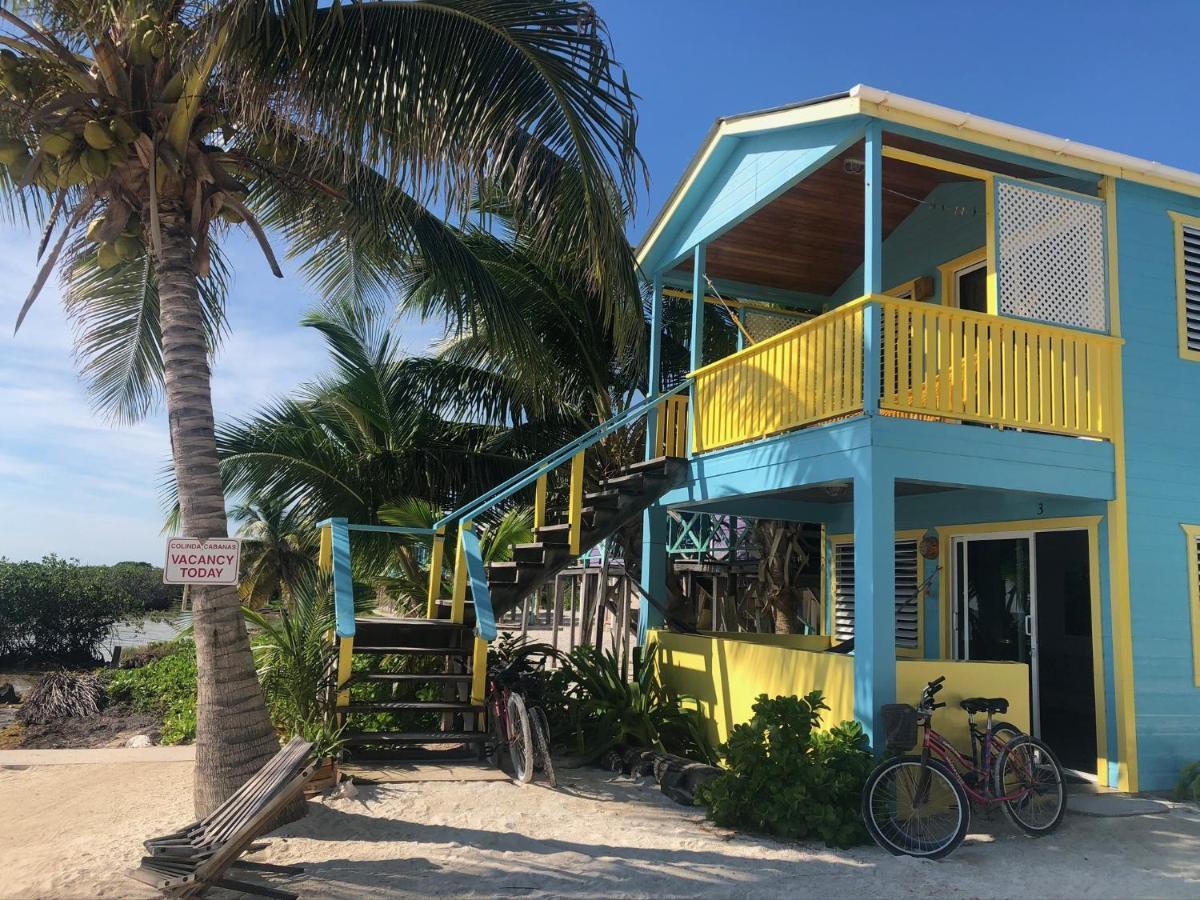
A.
pixel 62 695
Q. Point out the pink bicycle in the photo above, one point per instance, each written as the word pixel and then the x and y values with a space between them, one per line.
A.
pixel 920 805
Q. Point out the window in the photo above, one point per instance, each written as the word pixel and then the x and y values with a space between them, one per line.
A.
pixel 908 612
pixel 1187 283
pixel 964 281
pixel 1193 577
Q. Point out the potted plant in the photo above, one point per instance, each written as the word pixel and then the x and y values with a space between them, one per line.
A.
pixel 327 740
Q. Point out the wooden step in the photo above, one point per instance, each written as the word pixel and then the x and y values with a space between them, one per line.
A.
pixel 554 535
pixel 415 737
pixel 633 483
pixel 416 651
pixel 365 706
pixel 657 465
pixel 411 678
pixel 608 499
pixel 509 572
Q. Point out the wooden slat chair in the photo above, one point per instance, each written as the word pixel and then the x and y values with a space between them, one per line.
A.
pixel 187 862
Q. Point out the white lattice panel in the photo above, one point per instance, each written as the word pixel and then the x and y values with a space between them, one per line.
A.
pixel 760 324
pixel 1050 257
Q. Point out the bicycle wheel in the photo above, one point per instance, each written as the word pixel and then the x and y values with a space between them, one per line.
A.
pixel 541 735
pixel 1028 774
pixel 520 739
pixel 1006 731
pixel 913 808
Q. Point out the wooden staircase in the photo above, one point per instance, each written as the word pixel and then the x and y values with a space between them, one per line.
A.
pixel 422 669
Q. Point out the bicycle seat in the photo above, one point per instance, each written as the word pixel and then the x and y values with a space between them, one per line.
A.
pixel 985 705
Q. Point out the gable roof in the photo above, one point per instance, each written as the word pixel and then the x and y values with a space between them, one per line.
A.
pixel 865 100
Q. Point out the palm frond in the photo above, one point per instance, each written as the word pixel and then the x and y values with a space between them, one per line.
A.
pixel 118 342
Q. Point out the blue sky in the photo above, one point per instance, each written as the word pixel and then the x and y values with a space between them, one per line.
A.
pixel 1113 74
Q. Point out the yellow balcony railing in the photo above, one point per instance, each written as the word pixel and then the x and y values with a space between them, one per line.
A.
pixel 671 427
pixel 933 362
pixel 800 376
pixel 954 364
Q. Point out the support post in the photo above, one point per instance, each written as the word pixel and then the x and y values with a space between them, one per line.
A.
pixel 458 600
pixel 539 500
pixel 874 595
pixel 654 570
pixel 343 580
pixel 872 357
pixel 696 337
pixel 436 555
pixel 575 505
pixel 654 371
pixel 873 210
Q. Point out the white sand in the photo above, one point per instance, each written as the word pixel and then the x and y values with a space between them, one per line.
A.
pixel 71 831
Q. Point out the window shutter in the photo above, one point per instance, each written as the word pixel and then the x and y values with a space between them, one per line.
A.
pixel 1190 238
pixel 907 583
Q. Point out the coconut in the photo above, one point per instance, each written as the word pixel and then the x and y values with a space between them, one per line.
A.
pixel 107 256
pixel 93 229
pixel 56 143
pixel 95 163
pixel 98 136
pixel 128 247
pixel 122 130
pixel 173 89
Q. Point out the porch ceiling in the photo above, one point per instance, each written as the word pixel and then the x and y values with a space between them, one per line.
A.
pixel 843 491
pixel 810 238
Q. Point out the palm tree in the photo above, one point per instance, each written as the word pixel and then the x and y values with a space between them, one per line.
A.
pixel 279 547
pixel 140 134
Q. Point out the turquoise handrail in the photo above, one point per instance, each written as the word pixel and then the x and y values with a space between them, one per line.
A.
pixel 484 614
pixel 526 477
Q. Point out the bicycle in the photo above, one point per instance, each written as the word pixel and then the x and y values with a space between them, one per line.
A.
pixel 522 729
pixel 920 805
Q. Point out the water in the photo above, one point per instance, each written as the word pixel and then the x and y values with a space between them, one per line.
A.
pixel 162 626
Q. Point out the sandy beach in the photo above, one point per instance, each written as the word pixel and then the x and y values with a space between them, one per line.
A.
pixel 72 830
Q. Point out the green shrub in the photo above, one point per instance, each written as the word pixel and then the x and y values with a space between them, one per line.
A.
pixel 55 610
pixel 786 778
pixel 604 710
pixel 1188 787
pixel 166 686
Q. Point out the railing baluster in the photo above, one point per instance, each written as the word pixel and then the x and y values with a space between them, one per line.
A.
pixel 575 506
pixel 458 599
pixel 435 573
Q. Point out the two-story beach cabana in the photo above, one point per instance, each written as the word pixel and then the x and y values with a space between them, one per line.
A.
pixel 972 354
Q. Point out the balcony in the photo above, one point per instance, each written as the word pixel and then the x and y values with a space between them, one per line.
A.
pixel 929 362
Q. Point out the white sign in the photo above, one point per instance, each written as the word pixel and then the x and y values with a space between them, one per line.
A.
pixel 193 561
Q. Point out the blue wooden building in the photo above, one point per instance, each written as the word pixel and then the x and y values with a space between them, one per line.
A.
pixel 971 352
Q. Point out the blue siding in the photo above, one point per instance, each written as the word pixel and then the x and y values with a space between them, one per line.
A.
pixel 753 172
pixel 932 234
pixel 1162 423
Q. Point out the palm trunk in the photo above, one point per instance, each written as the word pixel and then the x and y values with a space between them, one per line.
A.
pixel 234 736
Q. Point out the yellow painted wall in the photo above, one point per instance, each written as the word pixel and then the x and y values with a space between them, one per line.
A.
pixel 965 679
pixel 725 673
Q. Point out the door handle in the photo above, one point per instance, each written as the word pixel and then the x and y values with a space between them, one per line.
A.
pixel 1029 625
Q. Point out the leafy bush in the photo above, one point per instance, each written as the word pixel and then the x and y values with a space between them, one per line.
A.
pixel 1188 787
pixel 786 778
pixel 166 686
pixel 55 610
pixel 604 710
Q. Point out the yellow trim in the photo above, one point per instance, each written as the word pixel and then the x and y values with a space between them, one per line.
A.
pixel 947 269
pixel 436 555
pixel 989 222
pixel 325 553
pixel 1091 524
pixel 934 162
pixel 1108 193
pixel 905 287
pixel 539 500
pixel 1193 576
pixel 458 600
pixel 1178 220
pixel 479 671
pixel 345 668
pixel 908 534
pixel 575 505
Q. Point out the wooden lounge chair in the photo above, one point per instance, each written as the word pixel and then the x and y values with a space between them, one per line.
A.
pixel 187 862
